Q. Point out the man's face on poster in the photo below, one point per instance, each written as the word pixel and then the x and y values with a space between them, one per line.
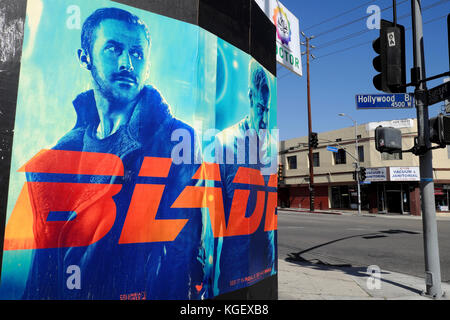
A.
pixel 259 106
pixel 119 60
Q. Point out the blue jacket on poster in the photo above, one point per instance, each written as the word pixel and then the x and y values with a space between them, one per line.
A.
pixel 235 147
pixel 109 270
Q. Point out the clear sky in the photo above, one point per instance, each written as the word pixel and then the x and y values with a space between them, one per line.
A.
pixel 339 73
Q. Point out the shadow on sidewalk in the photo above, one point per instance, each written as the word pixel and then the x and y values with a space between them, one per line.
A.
pixel 367 236
pixel 347 269
pixel 360 271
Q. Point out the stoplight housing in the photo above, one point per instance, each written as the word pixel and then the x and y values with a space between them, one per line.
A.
pixel 280 173
pixel 440 130
pixel 313 140
pixel 388 139
pixel 390 62
pixel 362 173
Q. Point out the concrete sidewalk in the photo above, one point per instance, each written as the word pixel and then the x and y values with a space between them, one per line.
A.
pixel 308 281
pixel 305 280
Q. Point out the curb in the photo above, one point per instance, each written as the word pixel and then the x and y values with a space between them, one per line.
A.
pixel 307 211
pixel 364 214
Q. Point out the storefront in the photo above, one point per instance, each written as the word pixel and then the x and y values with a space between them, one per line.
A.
pixel 393 190
pixel 442 196
pixel 376 197
pixel 385 190
pixel 297 196
pixel 394 197
pixel 346 197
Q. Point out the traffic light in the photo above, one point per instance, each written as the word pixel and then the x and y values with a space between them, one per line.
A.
pixel 362 174
pixel 280 173
pixel 313 140
pixel 354 175
pixel 388 139
pixel 440 130
pixel 391 61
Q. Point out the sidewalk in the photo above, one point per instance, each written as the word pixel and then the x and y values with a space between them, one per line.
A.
pixel 365 213
pixel 303 280
pixel 307 281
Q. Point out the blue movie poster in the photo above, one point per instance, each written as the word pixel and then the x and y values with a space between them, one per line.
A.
pixel 144 160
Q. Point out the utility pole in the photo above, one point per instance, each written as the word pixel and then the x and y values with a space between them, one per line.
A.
pixel 430 235
pixel 310 155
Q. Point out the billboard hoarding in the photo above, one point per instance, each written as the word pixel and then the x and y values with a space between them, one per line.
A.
pixel 120 185
pixel 288 34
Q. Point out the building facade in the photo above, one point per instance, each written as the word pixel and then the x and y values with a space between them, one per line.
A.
pixel 392 180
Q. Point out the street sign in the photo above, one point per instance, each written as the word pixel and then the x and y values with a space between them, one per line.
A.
pixel 439 93
pixel 385 101
pixel 376 174
pixel 332 149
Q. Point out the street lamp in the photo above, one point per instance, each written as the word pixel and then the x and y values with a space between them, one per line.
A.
pixel 355 124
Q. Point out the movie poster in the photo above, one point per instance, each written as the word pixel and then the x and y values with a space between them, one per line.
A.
pixel 144 159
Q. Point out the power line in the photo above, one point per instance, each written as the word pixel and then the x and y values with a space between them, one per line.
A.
pixel 337 16
pixel 345 49
pixel 289 72
pixel 338 40
pixel 356 20
pixel 355 34
pixel 433 20
pixel 369 42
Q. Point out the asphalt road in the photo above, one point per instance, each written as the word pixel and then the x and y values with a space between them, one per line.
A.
pixel 392 243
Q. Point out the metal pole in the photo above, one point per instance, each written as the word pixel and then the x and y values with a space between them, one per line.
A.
pixel 447 101
pixel 356 158
pixel 311 168
pixel 357 167
pixel 430 235
pixel 394 13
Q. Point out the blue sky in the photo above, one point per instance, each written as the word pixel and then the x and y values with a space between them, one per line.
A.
pixel 337 76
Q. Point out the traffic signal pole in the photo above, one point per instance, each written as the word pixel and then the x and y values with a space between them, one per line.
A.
pixel 357 163
pixel 310 156
pixel 357 168
pixel 430 235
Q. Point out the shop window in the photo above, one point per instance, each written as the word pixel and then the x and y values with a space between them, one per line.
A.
pixel 393 156
pixel 340 157
pixel 340 197
pixel 292 162
pixel 361 153
pixel 316 159
pixel 441 196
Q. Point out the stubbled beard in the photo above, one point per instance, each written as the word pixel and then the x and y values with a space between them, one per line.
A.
pixel 107 92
